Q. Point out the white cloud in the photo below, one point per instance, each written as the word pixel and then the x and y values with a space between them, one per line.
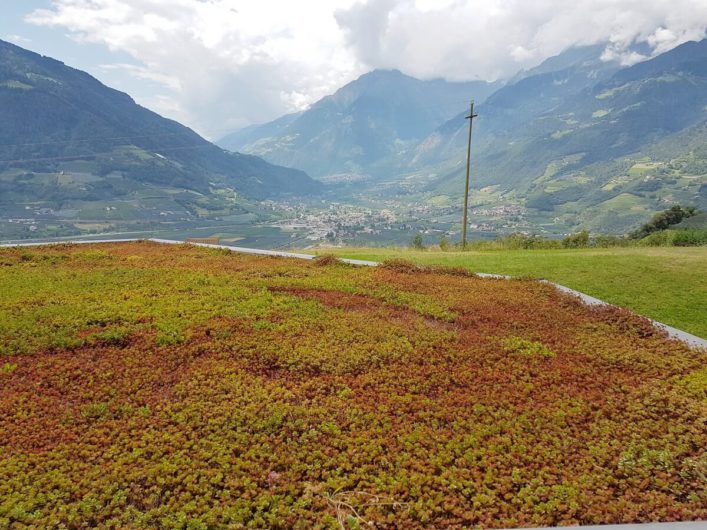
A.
pixel 461 39
pixel 227 63
pixel 17 39
pixel 222 63
pixel 142 72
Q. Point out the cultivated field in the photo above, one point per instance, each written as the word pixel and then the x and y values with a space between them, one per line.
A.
pixel 148 386
pixel 667 284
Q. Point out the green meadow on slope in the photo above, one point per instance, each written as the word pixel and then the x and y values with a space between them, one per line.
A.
pixel 667 284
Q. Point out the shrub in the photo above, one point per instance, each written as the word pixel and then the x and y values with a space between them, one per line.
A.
pixel 578 240
pixel 408 267
pixel 663 220
pixel 417 242
pixel 402 265
pixel 518 241
pixel 691 237
pixel 606 241
pixel 326 259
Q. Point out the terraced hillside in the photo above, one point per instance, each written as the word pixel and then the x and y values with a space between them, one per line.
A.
pixel 145 386
pixel 583 149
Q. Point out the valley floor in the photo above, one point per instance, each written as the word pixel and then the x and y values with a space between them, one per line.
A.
pixel 668 284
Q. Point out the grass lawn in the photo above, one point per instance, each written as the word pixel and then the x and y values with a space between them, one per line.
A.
pixel 666 284
pixel 175 387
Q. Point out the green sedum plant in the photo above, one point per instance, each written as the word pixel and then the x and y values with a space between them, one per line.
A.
pixel 154 387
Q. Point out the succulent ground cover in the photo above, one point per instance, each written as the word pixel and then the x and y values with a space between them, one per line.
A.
pixel 148 386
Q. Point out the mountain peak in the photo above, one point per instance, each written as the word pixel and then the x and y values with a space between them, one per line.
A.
pixel 367 120
pixel 382 73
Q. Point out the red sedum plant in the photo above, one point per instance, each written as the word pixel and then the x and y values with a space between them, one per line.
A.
pixel 147 386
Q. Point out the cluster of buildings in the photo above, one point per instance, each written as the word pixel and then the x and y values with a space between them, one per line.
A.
pixel 337 222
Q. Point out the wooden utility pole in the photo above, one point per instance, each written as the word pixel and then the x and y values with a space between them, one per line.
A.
pixel 470 117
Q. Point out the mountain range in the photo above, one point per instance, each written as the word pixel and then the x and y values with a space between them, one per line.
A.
pixel 365 127
pixel 603 155
pixel 67 140
pixel 578 140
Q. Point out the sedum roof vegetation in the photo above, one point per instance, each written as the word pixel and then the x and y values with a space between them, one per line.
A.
pixel 148 386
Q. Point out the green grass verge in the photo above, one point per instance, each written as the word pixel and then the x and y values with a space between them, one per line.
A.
pixel 666 284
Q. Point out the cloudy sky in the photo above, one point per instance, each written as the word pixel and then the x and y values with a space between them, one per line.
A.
pixel 217 65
